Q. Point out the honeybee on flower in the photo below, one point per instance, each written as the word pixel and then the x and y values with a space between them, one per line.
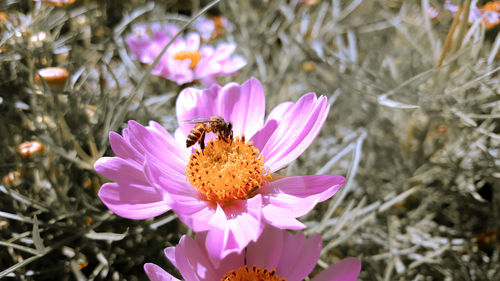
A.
pixel 227 190
pixel 214 124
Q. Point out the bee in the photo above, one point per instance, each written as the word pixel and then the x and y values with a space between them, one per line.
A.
pixel 214 124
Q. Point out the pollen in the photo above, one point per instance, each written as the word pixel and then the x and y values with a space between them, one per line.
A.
pixel 255 273
pixel 194 56
pixel 227 170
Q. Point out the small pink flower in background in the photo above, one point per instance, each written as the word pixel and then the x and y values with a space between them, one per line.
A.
pixel 432 12
pixel 276 255
pixel 229 189
pixel 210 28
pixel 308 2
pixel 185 60
pixel 490 16
pixel 474 13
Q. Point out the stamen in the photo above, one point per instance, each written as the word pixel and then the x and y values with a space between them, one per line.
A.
pixel 194 56
pixel 227 170
pixel 255 273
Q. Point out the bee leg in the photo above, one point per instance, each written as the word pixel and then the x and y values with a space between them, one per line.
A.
pixel 202 140
pixel 229 132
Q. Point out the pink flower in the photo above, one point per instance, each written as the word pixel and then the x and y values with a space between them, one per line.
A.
pixel 229 189
pixel 308 2
pixel 213 27
pixel 276 254
pixel 432 12
pixel 185 60
pixel 474 14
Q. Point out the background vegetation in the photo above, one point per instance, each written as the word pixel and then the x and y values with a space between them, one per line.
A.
pixel 419 142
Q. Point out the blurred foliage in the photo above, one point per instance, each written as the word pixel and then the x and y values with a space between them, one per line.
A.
pixel 418 142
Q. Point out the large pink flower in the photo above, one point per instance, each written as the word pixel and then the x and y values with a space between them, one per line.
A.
pixel 275 255
pixel 229 189
pixel 185 60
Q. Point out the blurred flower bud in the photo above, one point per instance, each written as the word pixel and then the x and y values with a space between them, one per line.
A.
pixel 57 2
pixel 55 77
pixel 30 148
pixel 11 178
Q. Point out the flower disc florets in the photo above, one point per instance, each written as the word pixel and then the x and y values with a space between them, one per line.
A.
pixel 255 273
pixel 194 56
pixel 226 170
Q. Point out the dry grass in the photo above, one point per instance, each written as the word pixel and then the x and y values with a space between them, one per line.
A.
pixel 419 143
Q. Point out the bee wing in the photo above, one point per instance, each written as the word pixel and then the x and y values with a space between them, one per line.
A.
pixel 196 121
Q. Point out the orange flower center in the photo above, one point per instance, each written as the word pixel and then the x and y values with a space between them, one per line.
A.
pixel 226 171
pixel 254 274
pixel 194 56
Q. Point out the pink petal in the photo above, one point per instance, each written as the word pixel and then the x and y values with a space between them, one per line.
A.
pixel 124 150
pixel 281 217
pixel 166 151
pixel 178 71
pixel 120 170
pixel 207 70
pixel 293 197
pixel 205 27
pixel 170 30
pixel 279 111
pixel 230 262
pixel 296 131
pixel 193 262
pixel 223 51
pixel 346 270
pixel 244 105
pixel 233 65
pixel 194 213
pixel 296 206
pixel 260 138
pixel 266 252
pixel 234 227
pixel 304 186
pixel 180 146
pixel 217 62
pixel 170 254
pixel 192 42
pixel 300 257
pixel 139 45
pixel 180 138
pixel 186 201
pixel 193 104
pixel 167 178
pixel 156 273
pixel 134 201
pixel 207 51
pixel 207 80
